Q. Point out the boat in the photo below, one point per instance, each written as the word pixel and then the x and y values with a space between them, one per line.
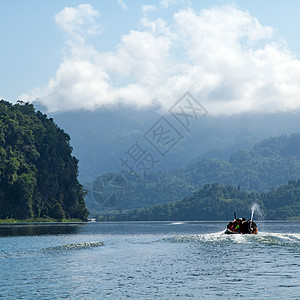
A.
pixel 241 226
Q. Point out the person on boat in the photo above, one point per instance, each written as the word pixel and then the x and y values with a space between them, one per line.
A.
pixel 245 226
pixel 253 227
pixel 231 226
pixel 237 226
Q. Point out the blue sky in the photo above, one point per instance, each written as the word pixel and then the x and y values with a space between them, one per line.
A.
pixel 236 56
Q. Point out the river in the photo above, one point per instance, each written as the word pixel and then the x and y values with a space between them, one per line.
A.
pixel 149 260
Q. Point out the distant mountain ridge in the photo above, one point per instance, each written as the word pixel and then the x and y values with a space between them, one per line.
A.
pixel 266 165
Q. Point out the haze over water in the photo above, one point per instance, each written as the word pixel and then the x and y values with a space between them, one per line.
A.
pixel 149 260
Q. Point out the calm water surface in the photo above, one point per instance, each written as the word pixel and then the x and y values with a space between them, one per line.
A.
pixel 149 260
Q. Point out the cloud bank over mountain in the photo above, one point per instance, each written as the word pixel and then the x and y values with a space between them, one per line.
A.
pixel 223 56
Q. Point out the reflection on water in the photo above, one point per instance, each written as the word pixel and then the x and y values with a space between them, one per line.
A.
pixel 35 229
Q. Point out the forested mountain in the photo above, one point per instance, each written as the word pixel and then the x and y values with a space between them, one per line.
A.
pixel 38 174
pixel 218 202
pixel 267 165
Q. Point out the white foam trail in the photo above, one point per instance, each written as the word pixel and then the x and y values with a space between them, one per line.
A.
pixel 221 237
pixel 279 238
pixel 82 245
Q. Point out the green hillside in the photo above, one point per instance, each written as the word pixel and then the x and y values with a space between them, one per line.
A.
pixel 38 174
pixel 267 165
pixel 218 202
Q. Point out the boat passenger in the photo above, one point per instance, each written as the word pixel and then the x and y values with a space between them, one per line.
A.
pixel 237 227
pixel 245 226
pixel 230 225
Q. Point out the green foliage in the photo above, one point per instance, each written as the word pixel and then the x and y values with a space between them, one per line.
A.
pixel 268 164
pixel 218 202
pixel 38 175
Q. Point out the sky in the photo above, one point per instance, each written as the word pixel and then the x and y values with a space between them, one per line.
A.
pixel 232 56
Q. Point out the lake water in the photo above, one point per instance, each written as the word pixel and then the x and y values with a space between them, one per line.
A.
pixel 149 260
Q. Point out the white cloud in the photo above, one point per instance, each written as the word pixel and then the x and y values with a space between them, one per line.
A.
pixel 148 8
pixel 223 56
pixel 122 4
pixel 78 22
pixel 168 3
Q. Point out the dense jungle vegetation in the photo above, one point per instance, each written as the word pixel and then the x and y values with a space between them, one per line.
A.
pixel 218 202
pixel 38 174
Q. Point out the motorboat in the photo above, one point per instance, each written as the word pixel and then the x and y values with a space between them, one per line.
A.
pixel 241 226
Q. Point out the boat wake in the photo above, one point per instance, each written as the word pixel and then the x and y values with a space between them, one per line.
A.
pixel 76 246
pixel 279 239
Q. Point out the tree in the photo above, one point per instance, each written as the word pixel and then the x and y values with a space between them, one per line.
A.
pixel 38 174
